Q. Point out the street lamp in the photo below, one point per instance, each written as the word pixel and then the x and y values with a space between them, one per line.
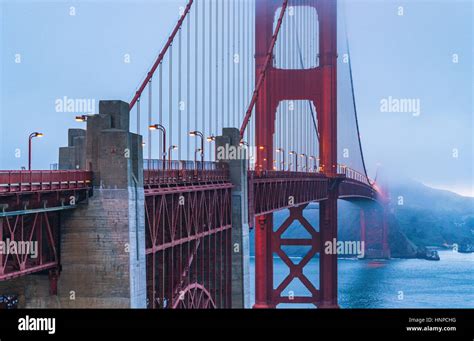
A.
pixel 210 139
pixel 170 149
pixel 32 135
pixel 243 143
pixel 81 118
pixel 282 151
pixel 199 134
pixel 198 150
pixel 314 161
pixel 296 159
pixel 163 130
pixel 306 161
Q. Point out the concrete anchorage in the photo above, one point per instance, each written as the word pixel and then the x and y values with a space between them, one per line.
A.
pixel 230 139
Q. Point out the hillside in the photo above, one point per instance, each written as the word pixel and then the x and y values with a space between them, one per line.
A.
pixel 428 217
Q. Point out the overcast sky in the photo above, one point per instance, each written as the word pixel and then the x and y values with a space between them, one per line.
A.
pixel 423 54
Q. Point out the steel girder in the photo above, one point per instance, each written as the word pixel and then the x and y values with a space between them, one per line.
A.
pixel 20 231
pixel 296 270
pixel 272 191
pixel 352 189
pixel 188 246
pixel 30 205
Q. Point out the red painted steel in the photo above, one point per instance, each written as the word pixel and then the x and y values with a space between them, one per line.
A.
pixel 30 202
pixel 40 228
pixel 188 246
pixel 184 172
pixel 374 230
pixel 195 296
pixel 263 69
pixel 272 191
pixel 38 181
pixel 279 295
pixel 319 86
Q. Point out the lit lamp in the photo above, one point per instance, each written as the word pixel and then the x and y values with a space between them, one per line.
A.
pixel 282 151
pixel 163 130
pixel 81 118
pixel 170 149
pixel 306 161
pixel 199 134
pixel 32 135
pixel 210 139
pixel 296 159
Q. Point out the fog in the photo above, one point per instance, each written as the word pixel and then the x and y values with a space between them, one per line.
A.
pixel 421 53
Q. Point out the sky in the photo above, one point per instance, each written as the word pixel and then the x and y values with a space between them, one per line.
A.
pixel 416 51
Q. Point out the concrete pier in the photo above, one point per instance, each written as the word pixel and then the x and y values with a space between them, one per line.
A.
pixel 74 155
pixel 103 241
pixel 229 151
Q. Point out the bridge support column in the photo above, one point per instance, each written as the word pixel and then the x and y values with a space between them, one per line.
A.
pixel 374 231
pixel 328 261
pixel 230 139
pixel 103 242
pixel 74 155
pixel 327 121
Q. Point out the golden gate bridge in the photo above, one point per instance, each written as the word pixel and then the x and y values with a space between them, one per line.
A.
pixel 268 81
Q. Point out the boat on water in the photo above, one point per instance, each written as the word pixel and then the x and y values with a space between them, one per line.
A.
pixel 465 248
pixel 432 255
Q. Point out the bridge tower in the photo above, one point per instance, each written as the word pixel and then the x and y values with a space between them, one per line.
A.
pixel 318 85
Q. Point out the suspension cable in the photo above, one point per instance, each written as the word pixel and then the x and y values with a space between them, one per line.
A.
pixel 162 54
pixel 353 94
pixel 264 69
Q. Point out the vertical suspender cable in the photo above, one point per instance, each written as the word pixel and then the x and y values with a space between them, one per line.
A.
pixel 216 131
pixel 196 59
pixel 239 64
pixel 233 64
pixel 228 65
pixel 211 90
pixel 188 91
pixel 251 70
pixel 138 115
pixel 170 99
pixel 222 67
pixel 160 98
pixel 203 113
pixel 150 93
pixel 180 99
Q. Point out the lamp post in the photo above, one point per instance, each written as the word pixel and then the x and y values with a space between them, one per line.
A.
pixel 81 118
pixel 296 159
pixel 198 150
pixel 199 134
pixel 163 130
pixel 306 161
pixel 314 162
pixel 244 144
pixel 282 151
pixel 211 139
pixel 32 135
pixel 170 149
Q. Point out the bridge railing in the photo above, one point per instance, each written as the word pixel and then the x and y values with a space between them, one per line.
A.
pixel 341 169
pixel 43 180
pixel 270 174
pixel 353 174
pixel 159 172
